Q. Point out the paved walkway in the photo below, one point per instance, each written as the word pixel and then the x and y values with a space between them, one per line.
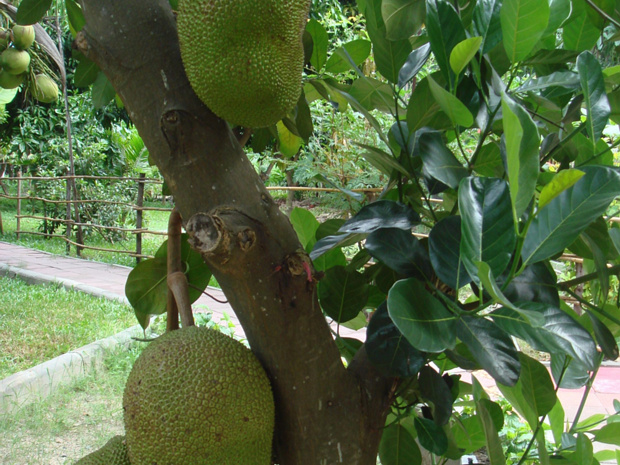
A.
pixel 109 281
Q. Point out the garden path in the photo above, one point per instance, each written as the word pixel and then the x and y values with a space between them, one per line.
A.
pixel 109 281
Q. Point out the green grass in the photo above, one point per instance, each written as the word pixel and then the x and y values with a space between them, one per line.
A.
pixel 38 323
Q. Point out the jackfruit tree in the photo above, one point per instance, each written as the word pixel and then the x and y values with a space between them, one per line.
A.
pixel 499 161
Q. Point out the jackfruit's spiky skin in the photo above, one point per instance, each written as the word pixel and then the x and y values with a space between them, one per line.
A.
pixel 15 61
pixel 114 452
pixel 244 59
pixel 198 397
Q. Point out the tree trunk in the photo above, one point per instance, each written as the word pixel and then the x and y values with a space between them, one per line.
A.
pixel 325 414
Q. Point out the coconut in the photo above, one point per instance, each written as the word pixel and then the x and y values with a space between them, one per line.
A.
pixel 10 81
pixel 15 61
pixel 44 89
pixel 23 36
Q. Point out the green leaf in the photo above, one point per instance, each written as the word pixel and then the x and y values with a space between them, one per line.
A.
pixel 489 161
pixel 443 245
pixel 434 389
pixel 358 50
pixel 559 223
pixel 381 214
pixel 491 347
pixel 463 52
pixel 415 62
pixel 75 15
pixel 387 348
pixel 594 96
pixel 560 182
pixel 486 23
pixel 420 317
pixel 608 434
pixel 372 94
pixel 398 446
pixel 288 143
pixel 32 11
pixel 535 318
pixel 102 92
pixel 431 436
pixel 382 160
pixel 536 385
pixel 451 105
pixel 342 293
pixel 402 18
pixel 424 111
pixel 523 24
pixel 559 11
pixel 604 337
pixel 445 30
pixel 556 421
pixel 390 55
pixel 401 251
pixel 147 289
pixel 584 452
pixel 578 33
pixel 566 79
pixel 320 41
pixel 305 225
pixel 86 73
pixel 7 95
pixel 494 446
pixel 439 162
pixel 487 227
pixel 522 148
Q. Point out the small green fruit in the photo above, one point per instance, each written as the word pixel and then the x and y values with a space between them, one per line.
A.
pixel 15 61
pixel 44 89
pixel 23 36
pixel 10 81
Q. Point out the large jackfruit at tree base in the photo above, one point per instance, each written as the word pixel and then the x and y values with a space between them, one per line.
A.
pixel 114 452
pixel 244 59
pixel 198 397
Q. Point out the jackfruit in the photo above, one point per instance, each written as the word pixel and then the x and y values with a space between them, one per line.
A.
pixel 15 61
pixel 45 90
pixel 244 59
pixel 198 397
pixel 23 36
pixel 114 452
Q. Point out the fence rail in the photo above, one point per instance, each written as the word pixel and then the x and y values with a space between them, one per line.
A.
pixel 138 207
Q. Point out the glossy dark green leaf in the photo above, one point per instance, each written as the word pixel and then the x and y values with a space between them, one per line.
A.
pixel 424 111
pixel 536 283
pixel 456 110
pixel 348 347
pixel 338 62
pixel 86 73
pixel 594 96
pixel 402 18
pixel 523 24
pixel 401 251
pixel 303 118
pixel 431 436
pixel 522 148
pixel 387 348
pixel 415 61
pixel 487 24
pixel 32 11
pixel 75 15
pixel 558 224
pixel 328 243
pixel 536 385
pixel 439 161
pixel 443 246
pixel 147 290
pixel 445 30
pixel 320 41
pixel 487 226
pixel 372 94
pixel 102 92
pixel 390 55
pixel 568 373
pixel 604 337
pixel 566 79
pixel 398 446
pixel 491 347
pixel 434 389
pixel 489 161
pixel 469 434
pixel 381 214
pixel 382 160
pixel 342 293
pixel 420 317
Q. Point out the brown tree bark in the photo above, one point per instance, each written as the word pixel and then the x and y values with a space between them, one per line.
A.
pixel 326 414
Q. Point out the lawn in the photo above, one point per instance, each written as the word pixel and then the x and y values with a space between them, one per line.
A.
pixel 39 322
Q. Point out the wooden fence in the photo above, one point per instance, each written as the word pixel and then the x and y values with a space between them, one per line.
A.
pixel 72 201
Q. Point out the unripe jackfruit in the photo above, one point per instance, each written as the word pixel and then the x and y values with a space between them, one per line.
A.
pixel 114 452
pixel 244 59
pixel 198 397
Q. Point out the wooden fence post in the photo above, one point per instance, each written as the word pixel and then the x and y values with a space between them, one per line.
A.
pixel 19 203
pixel 68 224
pixel 139 213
